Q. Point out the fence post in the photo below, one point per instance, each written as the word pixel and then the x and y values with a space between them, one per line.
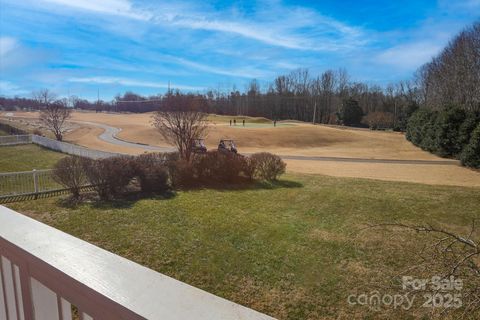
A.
pixel 35 183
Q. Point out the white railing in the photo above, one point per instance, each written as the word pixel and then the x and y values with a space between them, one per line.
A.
pixel 17 185
pixel 46 274
pixel 27 182
pixel 55 145
pixel 71 149
pixel 14 140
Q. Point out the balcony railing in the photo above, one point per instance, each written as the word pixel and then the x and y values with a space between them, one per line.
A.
pixel 47 274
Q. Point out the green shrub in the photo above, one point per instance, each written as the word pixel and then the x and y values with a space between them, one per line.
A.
pixel 403 117
pixel 466 129
pixel 350 113
pixel 447 132
pixel 268 166
pixel 152 172
pixel 69 172
pixel 418 125
pixel 471 153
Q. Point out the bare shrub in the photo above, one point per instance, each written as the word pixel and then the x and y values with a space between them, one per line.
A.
pixel 109 176
pixel 152 172
pixel 182 174
pixel 379 120
pixel 268 166
pixel 218 167
pixel 69 172
pixel 249 166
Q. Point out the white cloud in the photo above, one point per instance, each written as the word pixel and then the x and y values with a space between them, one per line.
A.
pixel 409 56
pixel 8 88
pixel 131 82
pixel 7 44
pixel 275 25
pixel 111 7
pixel 233 72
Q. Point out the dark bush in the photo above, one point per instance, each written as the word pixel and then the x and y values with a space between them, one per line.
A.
pixel 447 132
pixel 466 129
pixel 419 123
pixel 69 172
pixel 471 153
pixel 109 176
pixel 430 140
pixel 268 166
pixel 404 116
pixel 350 113
pixel 152 172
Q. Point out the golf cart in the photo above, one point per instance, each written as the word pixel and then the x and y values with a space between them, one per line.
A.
pixel 227 145
pixel 198 146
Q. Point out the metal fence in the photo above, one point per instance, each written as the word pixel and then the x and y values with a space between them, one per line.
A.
pixel 14 140
pixel 72 149
pixel 19 185
pixel 27 182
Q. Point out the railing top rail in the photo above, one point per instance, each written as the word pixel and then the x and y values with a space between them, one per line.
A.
pixel 24 172
pixel 140 290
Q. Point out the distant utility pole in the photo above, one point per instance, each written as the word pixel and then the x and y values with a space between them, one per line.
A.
pixel 314 112
pixel 98 99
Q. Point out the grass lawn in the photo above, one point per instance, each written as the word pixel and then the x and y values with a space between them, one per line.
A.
pixel 293 251
pixel 27 157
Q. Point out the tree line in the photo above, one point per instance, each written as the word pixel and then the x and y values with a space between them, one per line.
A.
pixel 297 96
pixel 448 124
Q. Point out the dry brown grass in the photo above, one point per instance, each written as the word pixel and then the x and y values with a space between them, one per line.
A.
pixel 419 173
pixel 295 139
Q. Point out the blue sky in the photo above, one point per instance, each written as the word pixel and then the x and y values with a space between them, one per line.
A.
pixel 76 47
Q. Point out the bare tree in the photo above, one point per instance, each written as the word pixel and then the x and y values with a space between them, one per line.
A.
pixel 180 122
pixel 453 77
pixel 54 115
pixel 44 97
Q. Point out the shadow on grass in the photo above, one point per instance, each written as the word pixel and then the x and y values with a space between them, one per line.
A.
pixel 129 199
pixel 252 185
pixel 279 184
